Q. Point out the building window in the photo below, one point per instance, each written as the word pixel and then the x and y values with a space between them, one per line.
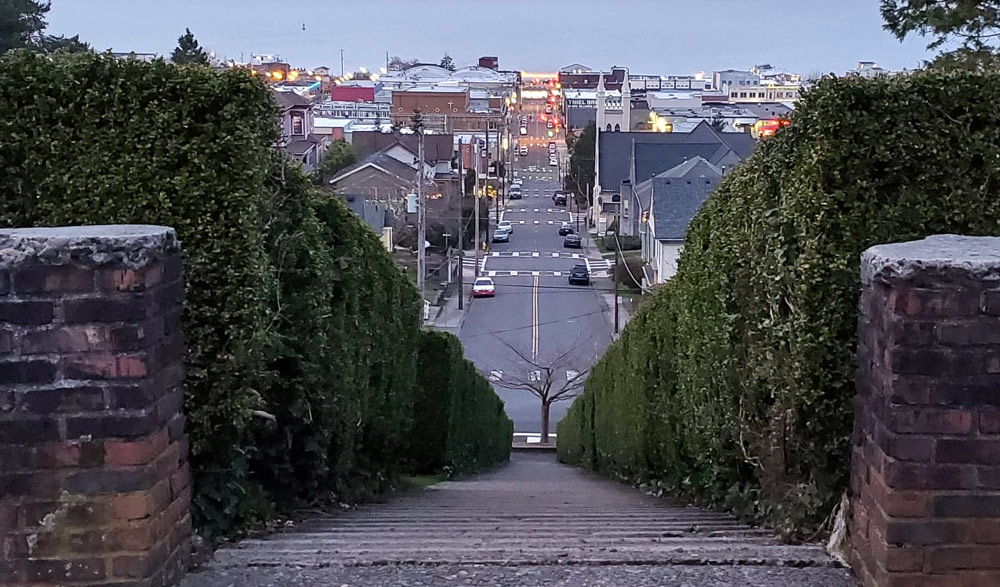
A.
pixel 609 127
pixel 618 128
pixel 298 126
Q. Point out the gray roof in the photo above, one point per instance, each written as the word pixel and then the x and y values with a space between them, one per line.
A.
pixel 288 100
pixel 616 149
pixel 372 213
pixel 678 193
pixel 653 159
pixel 386 162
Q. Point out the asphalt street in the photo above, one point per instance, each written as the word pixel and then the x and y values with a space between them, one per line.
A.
pixel 536 312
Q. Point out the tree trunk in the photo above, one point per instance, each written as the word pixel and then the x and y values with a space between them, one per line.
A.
pixel 545 423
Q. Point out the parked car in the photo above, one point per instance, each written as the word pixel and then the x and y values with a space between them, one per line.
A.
pixel 559 199
pixel 572 241
pixel 553 161
pixel 501 236
pixel 549 124
pixel 515 192
pixel 552 147
pixel 523 151
pixel 548 109
pixel 565 229
pixel 505 225
pixel 483 288
pixel 524 130
pixel 579 274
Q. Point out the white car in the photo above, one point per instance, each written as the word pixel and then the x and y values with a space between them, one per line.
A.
pixel 505 225
pixel 483 288
pixel 524 130
pixel 523 151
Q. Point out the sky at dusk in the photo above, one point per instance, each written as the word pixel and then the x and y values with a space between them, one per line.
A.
pixel 649 36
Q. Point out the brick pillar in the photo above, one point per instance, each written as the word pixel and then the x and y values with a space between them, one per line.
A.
pixel 925 476
pixel 94 485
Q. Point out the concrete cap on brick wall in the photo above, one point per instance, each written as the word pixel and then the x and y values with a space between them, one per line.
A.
pixel 976 257
pixel 130 245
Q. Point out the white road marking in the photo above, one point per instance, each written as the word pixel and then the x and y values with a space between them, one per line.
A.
pixel 496 375
pixel 555 254
pixel 515 254
pixel 513 273
pixel 557 273
pixel 535 273
pixel 534 254
pixel 492 273
pixel 496 254
pixel 536 222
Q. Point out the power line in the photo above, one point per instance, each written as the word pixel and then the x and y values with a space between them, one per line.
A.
pixel 546 323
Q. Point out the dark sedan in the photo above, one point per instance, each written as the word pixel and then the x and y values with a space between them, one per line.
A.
pixel 572 241
pixel 565 229
pixel 559 199
pixel 580 275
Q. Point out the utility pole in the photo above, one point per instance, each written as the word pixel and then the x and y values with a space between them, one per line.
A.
pixel 488 172
pixel 475 196
pixel 418 127
pixel 461 229
pixel 341 62
pixel 617 254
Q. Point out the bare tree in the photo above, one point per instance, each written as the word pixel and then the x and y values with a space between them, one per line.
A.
pixel 544 379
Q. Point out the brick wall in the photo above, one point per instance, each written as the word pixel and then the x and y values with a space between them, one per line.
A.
pixel 925 478
pixel 94 485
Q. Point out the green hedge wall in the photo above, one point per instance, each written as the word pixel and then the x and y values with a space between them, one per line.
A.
pixel 302 333
pixel 460 423
pixel 736 379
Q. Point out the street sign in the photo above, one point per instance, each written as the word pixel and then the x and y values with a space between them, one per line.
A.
pixel 535 376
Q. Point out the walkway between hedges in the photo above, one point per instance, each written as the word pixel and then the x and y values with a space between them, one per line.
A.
pixel 534 522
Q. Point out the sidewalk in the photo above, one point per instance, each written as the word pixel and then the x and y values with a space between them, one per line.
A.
pixel 448 317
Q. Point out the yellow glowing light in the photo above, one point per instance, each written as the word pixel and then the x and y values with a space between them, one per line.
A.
pixel 277 75
pixel 317 77
pixel 363 70
pixel 293 75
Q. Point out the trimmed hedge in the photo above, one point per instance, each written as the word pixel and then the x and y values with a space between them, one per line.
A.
pixel 294 309
pixel 460 423
pixel 734 383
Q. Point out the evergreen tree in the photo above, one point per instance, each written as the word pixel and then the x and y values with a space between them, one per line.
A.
pixel 581 164
pixel 338 156
pixel 21 23
pixel 974 25
pixel 447 62
pixel 188 50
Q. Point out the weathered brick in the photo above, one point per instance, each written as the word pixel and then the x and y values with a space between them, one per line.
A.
pixel 924 532
pixel 59 570
pixel 991 302
pixel 911 333
pixel 37 485
pixel 981 390
pixel 4 283
pixel 133 309
pixel 904 475
pixel 935 302
pixel 138 451
pixel 985 531
pixel 111 425
pixel 920 420
pixel 62 400
pixel 57 455
pixel 950 558
pixel 905 447
pixel 136 396
pixel 95 481
pixel 6 341
pixel 967 506
pixel 976 451
pixel 130 280
pixel 62 339
pixel 53 279
pixel 989 421
pixel 27 371
pixel 984 330
pixel 906 559
pixel 140 566
pixel 17 458
pixel 935 361
pixel 28 431
pixel 104 366
pixel 26 313
pixel 130 337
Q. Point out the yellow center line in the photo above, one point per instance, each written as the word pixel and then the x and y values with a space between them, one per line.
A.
pixel 534 318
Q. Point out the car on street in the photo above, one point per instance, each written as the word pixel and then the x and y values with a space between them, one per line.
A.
pixel 524 130
pixel 483 288
pixel 553 161
pixel 572 241
pixel 559 199
pixel 565 229
pixel 548 109
pixel 515 192
pixel 505 225
pixel 501 236
pixel 552 147
pixel 518 181
pixel 523 151
pixel 579 274
pixel 549 124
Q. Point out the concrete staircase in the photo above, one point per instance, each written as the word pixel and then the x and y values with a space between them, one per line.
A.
pixel 532 516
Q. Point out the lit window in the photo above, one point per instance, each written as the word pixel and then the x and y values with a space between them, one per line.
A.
pixel 298 126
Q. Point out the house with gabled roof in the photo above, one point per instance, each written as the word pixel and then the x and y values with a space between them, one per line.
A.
pixel 670 201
